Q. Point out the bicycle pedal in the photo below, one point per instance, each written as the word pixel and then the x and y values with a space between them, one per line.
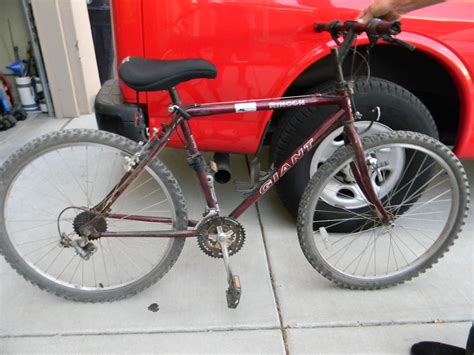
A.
pixel 233 293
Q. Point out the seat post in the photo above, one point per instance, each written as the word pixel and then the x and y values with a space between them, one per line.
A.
pixel 175 96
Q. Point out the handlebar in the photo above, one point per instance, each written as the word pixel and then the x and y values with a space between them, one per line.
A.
pixel 374 27
pixel 345 35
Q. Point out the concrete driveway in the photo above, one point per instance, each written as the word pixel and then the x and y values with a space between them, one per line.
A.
pixel 286 306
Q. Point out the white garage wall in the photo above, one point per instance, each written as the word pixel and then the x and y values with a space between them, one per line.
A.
pixel 69 56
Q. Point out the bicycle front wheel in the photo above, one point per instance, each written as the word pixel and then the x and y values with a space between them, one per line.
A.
pixel 422 186
pixel 48 188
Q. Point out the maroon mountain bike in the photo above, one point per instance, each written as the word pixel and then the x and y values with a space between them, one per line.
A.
pixel 92 216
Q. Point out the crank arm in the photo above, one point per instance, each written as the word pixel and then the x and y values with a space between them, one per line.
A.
pixel 234 291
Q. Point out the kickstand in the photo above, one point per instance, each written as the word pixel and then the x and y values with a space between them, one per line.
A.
pixel 234 291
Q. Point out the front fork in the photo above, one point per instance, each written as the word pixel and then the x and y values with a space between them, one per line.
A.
pixel 360 168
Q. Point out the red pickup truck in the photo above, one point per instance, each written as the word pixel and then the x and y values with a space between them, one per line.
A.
pixel 270 49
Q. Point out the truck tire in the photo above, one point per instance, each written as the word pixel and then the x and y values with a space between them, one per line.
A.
pixel 400 110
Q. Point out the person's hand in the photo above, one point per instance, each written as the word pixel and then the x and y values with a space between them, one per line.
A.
pixel 383 9
pixel 391 10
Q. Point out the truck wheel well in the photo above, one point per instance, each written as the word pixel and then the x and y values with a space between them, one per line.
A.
pixel 417 72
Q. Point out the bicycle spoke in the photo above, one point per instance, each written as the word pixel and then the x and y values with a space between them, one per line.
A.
pixel 87 177
pixel 393 251
pixel 340 221
pixel 405 245
pixel 54 259
pixel 372 253
pixel 37 241
pixel 105 265
pixel 361 254
pixel 353 213
pixel 369 242
pixel 79 262
pixel 423 203
pixel 418 195
pixel 394 238
pixel 109 184
pixel 136 187
pixel 402 177
pixel 142 257
pixel 47 253
pixel 411 235
pixel 409 213
pixel 44 197
pixel 345 247
pixel 115 261
pixel 31 228
pixel 54 186
pixel 70 172
pixel 354 233
pixel 93 267
pixel 96 173
pixel 41 248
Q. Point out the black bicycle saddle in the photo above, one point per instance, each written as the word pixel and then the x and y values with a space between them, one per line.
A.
pixel 144 74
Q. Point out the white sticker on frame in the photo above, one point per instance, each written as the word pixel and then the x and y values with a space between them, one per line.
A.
pixel 246 107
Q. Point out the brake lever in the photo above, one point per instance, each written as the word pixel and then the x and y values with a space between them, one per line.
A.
pixel 398 42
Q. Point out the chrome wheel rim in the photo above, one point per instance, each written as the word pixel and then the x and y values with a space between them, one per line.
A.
pixel 342 190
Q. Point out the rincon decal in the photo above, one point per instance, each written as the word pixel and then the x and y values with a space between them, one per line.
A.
pixel 286 103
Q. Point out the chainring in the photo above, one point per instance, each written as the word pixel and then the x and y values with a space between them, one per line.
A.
pixel 207 236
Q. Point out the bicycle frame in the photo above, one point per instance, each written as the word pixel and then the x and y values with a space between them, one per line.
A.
pixel 342 117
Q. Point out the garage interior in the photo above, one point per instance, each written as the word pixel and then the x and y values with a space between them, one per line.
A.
pixel 62 49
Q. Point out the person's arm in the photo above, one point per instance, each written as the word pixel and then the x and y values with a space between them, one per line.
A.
pixel 391 10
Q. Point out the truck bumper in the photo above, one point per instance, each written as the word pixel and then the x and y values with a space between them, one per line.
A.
pixel 112 114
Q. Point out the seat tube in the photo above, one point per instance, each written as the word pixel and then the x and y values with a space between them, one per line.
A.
pixel 197 162
pixel 175 99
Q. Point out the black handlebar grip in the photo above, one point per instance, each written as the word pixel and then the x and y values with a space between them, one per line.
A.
pixel 320 27
pixel 373 27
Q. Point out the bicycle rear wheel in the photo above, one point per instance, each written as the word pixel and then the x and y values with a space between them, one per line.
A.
pixel 49 185
pixel 428 209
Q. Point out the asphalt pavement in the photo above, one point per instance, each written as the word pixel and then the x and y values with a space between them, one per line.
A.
pixel 286 306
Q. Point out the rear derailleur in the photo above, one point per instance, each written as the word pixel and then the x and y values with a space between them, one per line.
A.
pixel 82 246
pixel 87 226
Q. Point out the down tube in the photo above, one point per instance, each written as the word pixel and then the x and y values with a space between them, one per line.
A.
pixel 329 125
